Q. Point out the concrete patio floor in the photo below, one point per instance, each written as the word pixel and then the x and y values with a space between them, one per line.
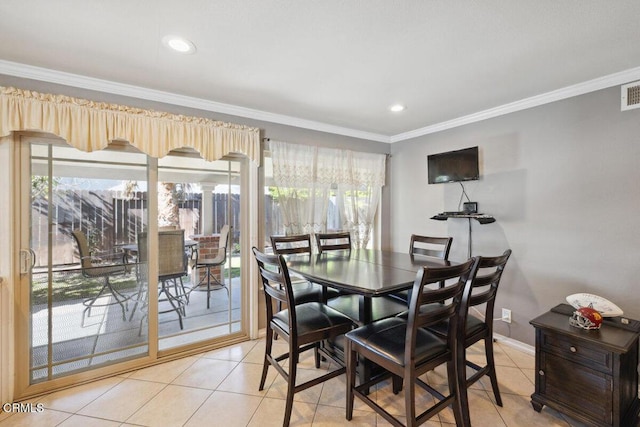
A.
pixel 103 337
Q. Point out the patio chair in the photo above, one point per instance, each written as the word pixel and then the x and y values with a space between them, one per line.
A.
pixel 208 265
pixel 95 267
pixel 172 267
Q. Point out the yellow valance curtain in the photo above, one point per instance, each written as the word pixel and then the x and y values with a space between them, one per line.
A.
pixel 90 126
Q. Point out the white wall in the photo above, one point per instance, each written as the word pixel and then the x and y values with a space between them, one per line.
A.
pixel 562 181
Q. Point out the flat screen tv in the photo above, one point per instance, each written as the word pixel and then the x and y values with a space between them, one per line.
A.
pixel 454 166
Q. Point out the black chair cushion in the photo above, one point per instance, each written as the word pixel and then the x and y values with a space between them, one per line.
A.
pixel 304 291
pixel 312 317
pixel 381 307
pixel 474 325
pixel 386 338
pixel 423 309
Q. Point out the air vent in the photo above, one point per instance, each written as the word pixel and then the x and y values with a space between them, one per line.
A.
pixel 630 96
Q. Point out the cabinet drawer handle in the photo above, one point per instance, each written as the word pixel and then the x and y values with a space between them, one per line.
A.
pixel 541 372
pixel 573 349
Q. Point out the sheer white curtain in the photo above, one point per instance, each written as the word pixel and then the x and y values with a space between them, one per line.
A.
pixel 303 201
pixel 359 194
pixel 307 176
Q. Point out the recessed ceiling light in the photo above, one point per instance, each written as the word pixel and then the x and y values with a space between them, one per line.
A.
pixel 179 44
pixel 397 108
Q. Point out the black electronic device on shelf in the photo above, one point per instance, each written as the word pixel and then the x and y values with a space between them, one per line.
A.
pixel 481 218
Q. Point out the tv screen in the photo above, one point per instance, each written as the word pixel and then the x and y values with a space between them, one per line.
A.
pixel 454 166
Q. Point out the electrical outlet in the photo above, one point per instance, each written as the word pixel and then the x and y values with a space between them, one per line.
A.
pixel 506 315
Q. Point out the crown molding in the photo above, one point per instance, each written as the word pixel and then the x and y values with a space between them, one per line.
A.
pixel 534 101
pixel 90 83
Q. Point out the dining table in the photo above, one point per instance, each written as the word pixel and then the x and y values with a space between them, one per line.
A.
pixel 365 274
pixel 369 273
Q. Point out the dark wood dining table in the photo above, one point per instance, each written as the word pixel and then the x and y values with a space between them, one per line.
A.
pixel 366 272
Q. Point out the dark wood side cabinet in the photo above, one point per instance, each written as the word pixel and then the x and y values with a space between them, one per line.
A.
pixel 591 376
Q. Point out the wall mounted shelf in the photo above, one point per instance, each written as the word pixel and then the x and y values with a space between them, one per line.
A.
pixel 481 218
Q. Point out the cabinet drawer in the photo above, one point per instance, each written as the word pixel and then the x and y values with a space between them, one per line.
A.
pixel 577 351
pixel 585 390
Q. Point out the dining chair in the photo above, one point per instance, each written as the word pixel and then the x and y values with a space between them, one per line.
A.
pixel 103 267
pixel 437 247
pixel 405 349
pixel 172 267
pixel 484 289
pixel 349 304
pixel 303 326
pixel 340 240
pixel 212 282
pixel 303 290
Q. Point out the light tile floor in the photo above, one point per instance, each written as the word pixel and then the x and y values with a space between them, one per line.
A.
pixel 220 388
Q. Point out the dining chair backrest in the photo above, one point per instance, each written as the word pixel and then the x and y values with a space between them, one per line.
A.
pixel 333 241
pixel 438 247
pixel 295 244
pixel 223 245
pixel 97 266
pixel 485 285
pixel 172 259
pixel 448 302
pixel 83 249
pixel 276 283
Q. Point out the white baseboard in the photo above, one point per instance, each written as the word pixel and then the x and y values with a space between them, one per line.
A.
pixel 518 345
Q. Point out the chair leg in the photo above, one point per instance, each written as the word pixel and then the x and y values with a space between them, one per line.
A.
pixel 488 348
pixel 267 352
pixel 291 383
pixel 114 293
pixel 208 287
pixel 457 374
pixel 397 384
pixel 122 300
pixel 410 401
pixel 316 355
pixel 350 357
pixel 170 299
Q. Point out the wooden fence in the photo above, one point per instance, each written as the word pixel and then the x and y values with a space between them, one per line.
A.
pixel 110 220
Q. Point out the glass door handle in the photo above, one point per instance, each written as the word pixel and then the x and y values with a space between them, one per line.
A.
pixel 27 260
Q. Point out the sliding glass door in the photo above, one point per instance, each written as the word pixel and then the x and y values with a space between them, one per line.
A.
pixel 90 224
pixel 203 200
pixel 81 287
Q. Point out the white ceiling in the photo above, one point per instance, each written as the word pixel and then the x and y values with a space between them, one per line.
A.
pixel 333 65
